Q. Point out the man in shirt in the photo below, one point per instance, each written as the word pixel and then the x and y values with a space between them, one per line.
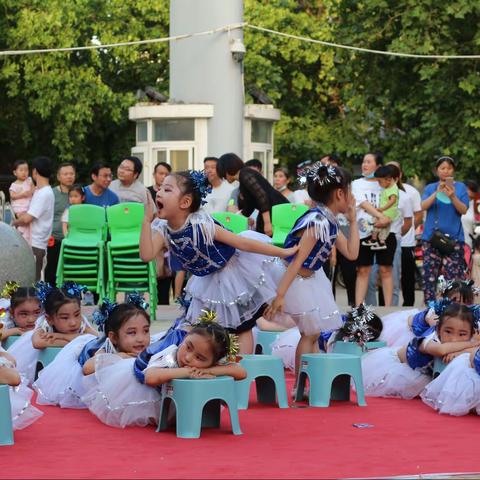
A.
pixel 127 186
pixel 66 178
pixel 40 212
pixel 98 193
pixel 217 200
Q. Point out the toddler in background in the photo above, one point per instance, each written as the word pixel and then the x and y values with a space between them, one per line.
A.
pixel 76 196
pixel 21 193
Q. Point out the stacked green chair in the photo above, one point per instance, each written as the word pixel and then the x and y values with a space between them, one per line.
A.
pixel 284 217
pixel 126 270
pixel 82 253
pixel 233 221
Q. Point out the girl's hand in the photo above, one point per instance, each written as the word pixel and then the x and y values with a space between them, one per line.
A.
pixel 148 215
pixel 289 252
pixel 449 190
pixel 200 373
pixel 267 228
pixel 16 331
pixel 276 306
pixel 351 213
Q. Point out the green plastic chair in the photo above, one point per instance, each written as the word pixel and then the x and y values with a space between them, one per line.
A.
pixel 264 341
pixel 284 217
pixel 6 428
pixel 329 376
pixel 269 376
pixel 125 223
pixel 235 222
pixel 86 226
pixel 197 404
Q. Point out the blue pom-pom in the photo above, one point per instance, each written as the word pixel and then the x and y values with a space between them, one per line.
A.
pixel 201 184
pixel 137 300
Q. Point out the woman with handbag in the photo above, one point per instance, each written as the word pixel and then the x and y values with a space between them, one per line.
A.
pixel 445 202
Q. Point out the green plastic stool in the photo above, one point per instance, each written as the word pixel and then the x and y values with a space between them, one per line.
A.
pixel 438 367
pixel 6 344
pixel 197 404
pixel 6 429
pixel 45 357
pixel 352 348
pixel 264 341
pixel 329 377
pixel 269 376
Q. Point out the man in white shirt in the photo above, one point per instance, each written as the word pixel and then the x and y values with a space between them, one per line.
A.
pixel 217 200
pixel 40 212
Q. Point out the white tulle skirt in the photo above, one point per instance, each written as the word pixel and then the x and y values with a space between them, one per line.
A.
pixel 309 301
pixel 61 382
pixel 23 412
pixel 25 355
pixel 285 347
pixel 114 395
pixel 456 391
pixel 237 291
pixel 396 331
pixel 385 376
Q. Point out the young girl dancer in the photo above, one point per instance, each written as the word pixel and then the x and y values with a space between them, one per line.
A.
pixel 403 372
pixel 402 326
pixel 22 308
pixel 119 399
pixel 229 272
pixel 304 292
pixel 126 332
pixel 61 323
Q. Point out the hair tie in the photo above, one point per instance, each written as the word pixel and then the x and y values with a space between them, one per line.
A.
pixel 9 289
pixel 200 184
pixel 101 314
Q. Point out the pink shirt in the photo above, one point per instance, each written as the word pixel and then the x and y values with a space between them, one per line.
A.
pixel 21 205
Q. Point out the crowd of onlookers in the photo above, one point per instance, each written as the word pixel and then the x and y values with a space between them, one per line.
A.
pixel 391 214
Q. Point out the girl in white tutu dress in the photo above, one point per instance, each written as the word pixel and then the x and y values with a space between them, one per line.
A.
pixel 229 272
pixel 402 326
pixel 304 292
pixel 19 310
pixel 404 372
pixel 456 391
pixel 122 394
pixel 22 411
pixel 62 322
pixel 360 325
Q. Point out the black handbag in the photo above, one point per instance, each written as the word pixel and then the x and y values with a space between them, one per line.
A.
pixel 443 243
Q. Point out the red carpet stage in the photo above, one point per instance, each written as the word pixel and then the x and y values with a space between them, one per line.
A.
pixel 407 438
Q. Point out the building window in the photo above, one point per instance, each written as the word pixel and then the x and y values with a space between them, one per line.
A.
pixel 142 132
pixel 261 131
pixel 179 160
pixel 174 129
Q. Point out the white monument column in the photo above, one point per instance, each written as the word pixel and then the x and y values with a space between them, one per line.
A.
pixel 203 69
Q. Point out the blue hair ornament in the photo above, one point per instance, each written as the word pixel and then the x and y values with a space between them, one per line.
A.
pixel 201 184
pixel 475 309
pixel 440 305
pixel 101 314
pixel 73 289
pixel 43 290
pixel 137 300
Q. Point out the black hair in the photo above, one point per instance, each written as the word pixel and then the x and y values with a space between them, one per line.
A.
pixel 163 164
pixel 43 166
pixel 445 158
pixel 254 163
pixel 22 294
pixel 210 159
pixel 55 300
pixel 321 190
pixel 386 171
pixel 66 164
pixel 374 322
pixel 97 167
pixel 378 157
pixel 137 164
pixel 464 289
pixel 187 186
pixel 460 311
pixel 76 187
pixel 121 314
pixel 17 163
pixel 218 336
pixel 333 157
pixel 471 185
pixel 229 163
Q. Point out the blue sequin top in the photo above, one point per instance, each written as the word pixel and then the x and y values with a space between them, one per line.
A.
pixel 419 324
pixel 416 358
pixel 194 245
pixel 321 223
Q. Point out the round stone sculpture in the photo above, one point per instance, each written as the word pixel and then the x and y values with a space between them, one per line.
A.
pixel 17 262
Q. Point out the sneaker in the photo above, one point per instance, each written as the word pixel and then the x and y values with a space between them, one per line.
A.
pixel 378 246
pixel 294 395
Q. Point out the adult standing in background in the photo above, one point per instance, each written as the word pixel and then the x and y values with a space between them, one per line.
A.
pixel 445 202
pixel 161 170
pixel 255 191
pixel 468 220
pixel 281 180
pixel 40 211
pixel 98 193
pixel 66 178
pixel 127 186
pixel 217 200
